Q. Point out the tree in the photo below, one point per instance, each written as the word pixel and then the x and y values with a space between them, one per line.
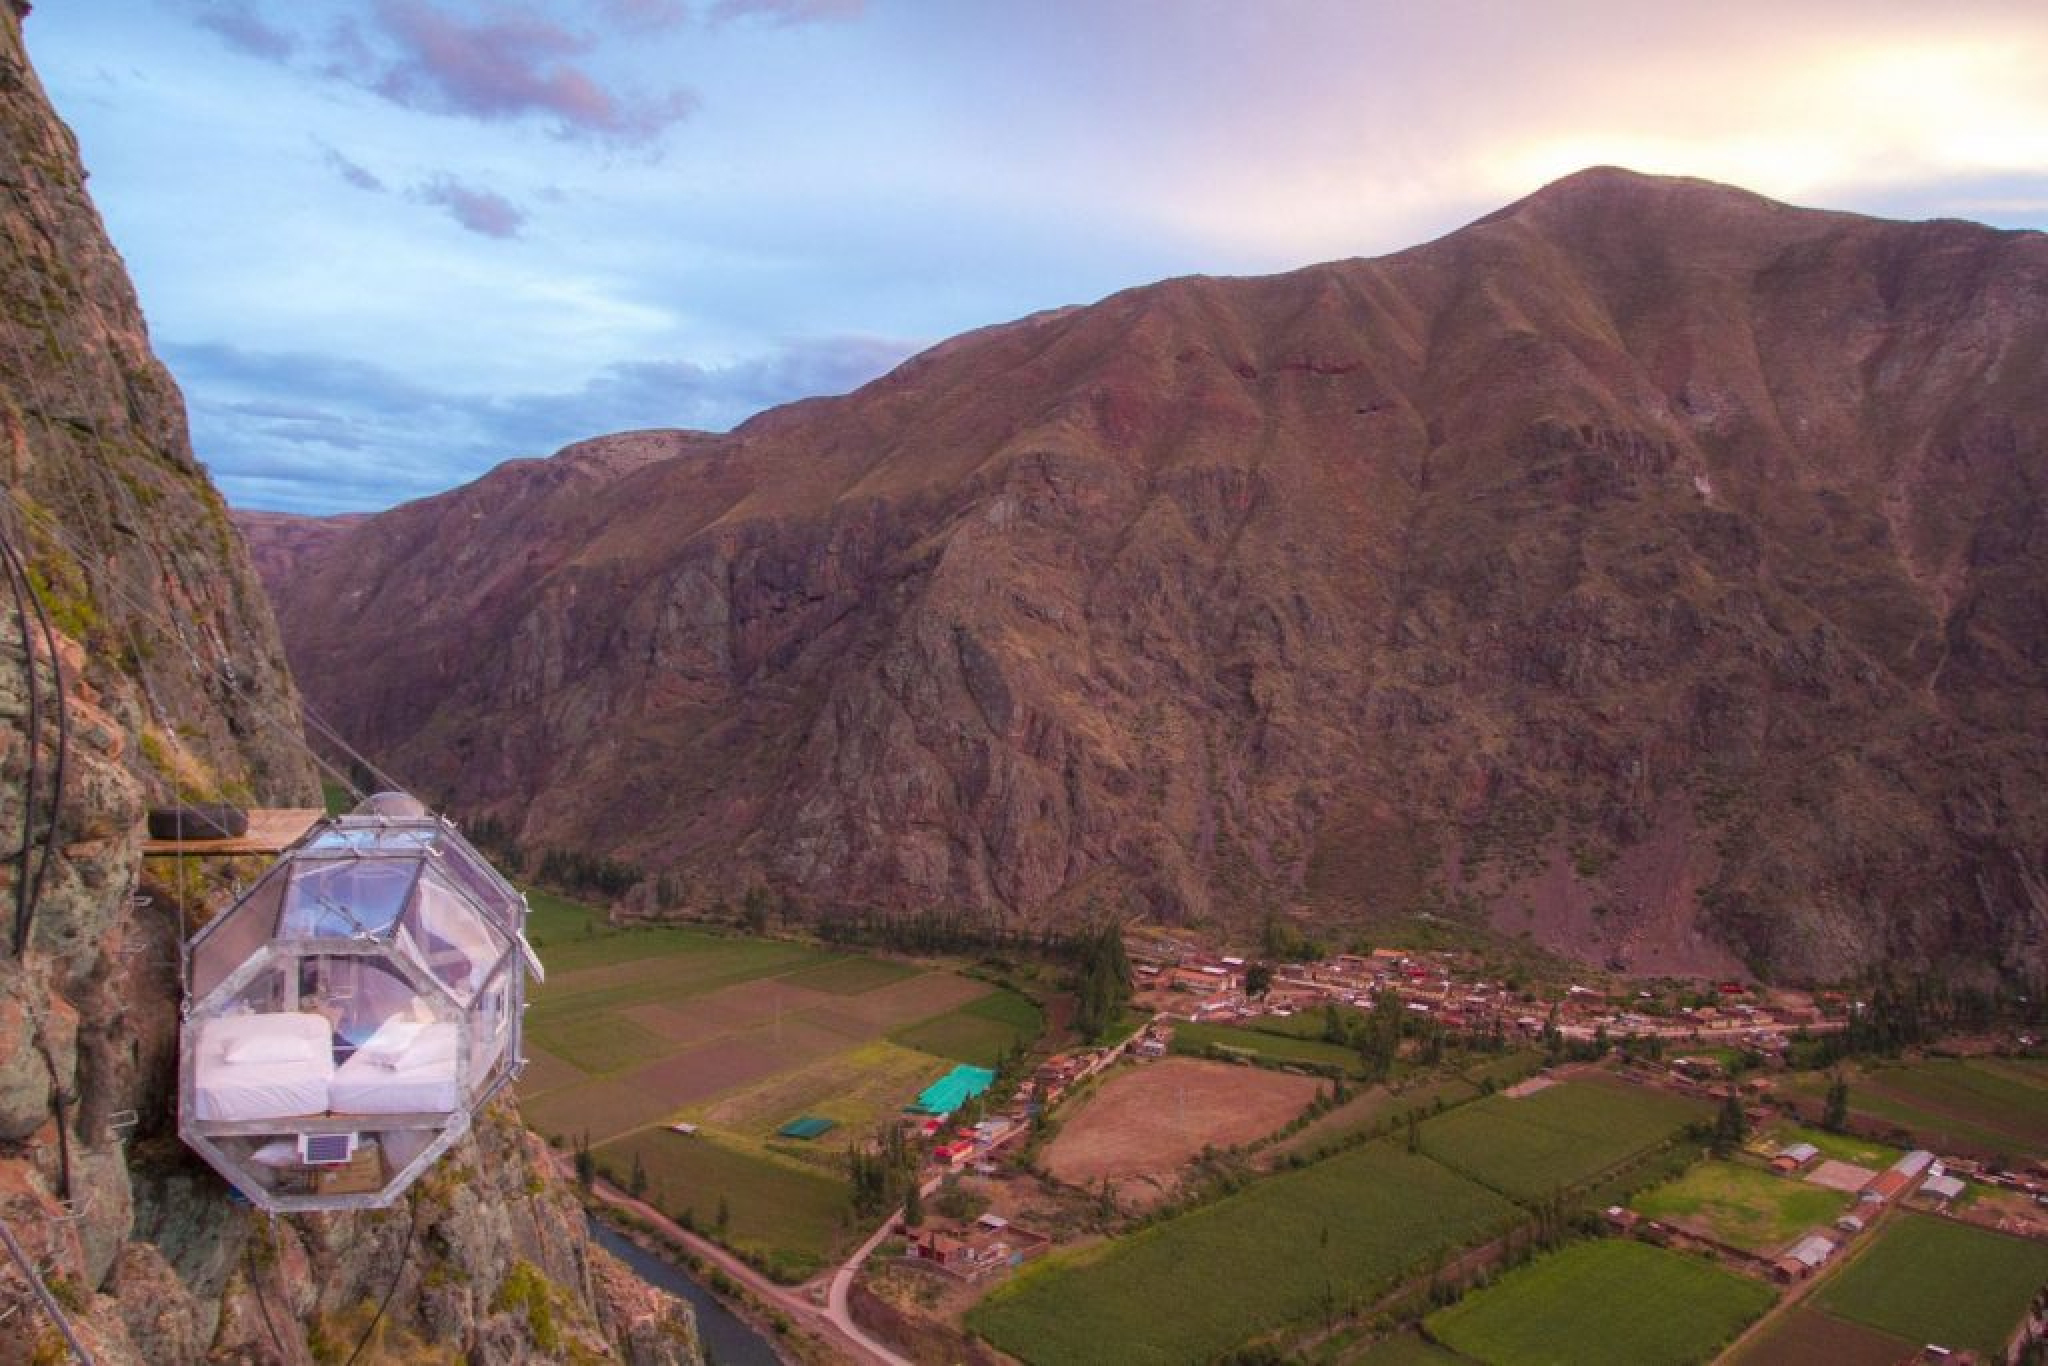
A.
pixel 1258 980
pixel 913 1205
pixel 1732 1126
pixel 586 1164
pixel 724 1215
pixel 637 1182
pixel 1835 1117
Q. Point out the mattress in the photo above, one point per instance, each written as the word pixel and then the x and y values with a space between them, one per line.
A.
pixel 270 1087
pixel 362 1086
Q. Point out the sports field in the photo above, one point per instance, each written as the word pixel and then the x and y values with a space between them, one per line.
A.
pixel 1612 1302
pixel 1936 1280
pixel 1745 1206
pixel 1285 1250
pixel 636 1029
pixel 1531 1146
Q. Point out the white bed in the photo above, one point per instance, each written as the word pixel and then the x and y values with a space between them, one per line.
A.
pixel 268 1066
pixel 404 1068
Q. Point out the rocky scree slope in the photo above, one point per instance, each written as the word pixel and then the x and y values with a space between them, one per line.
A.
pixel 1649 567
pixel 172 679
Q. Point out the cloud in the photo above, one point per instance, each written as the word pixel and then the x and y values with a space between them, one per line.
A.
pixel 483 212
pixel 238 24
pixel 513 65
pixel 359 176
pixel 786 12
pixel 307 432
pixel 646 16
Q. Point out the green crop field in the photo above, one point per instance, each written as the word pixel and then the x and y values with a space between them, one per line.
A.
pixel 1194 1039
pixel 1405 1349
pixel 1936 1280
pixel 1563 1135
pixel 858 1088
pixel 1285 1250
pixel 1754 1210
pixel 2001 1103
pixel 1610 1301
pixel 793 1218
pixel 1373 1107
pixel 978 1031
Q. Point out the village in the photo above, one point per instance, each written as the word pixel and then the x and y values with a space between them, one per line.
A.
pixel 1826 1194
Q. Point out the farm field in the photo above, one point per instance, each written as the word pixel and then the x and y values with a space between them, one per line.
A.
pixel 1373 1106
pixel 1958 1103
pixel 1802 1337
pixel 1148 1121
pixel 1936 1280
pixel 1345 1228
pixel 978 1032
pixel 1191 1038
pixel 1611 1301
pixel 1404 1349
pixel 1752 1209
pixel 794 1220
pixel 1530 1146
pixel 638 1028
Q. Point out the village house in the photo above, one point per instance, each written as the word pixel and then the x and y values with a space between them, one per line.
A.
pixel 989 1245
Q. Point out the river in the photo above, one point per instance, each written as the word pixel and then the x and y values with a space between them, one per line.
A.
pixel 728 1339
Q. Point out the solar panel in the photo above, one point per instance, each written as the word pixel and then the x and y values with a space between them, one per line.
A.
pixel 326 1150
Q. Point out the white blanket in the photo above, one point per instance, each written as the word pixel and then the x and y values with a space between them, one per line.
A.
pixel 424 1083
pixel 269 1066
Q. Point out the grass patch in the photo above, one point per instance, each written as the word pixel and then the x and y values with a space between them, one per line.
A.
pixel 790 1219
pixel 1978 1102
pixel 1841 1147
pixel 1197 1039
pixel 1559 1137
pixel 1607 1302
pixel 1738 1204
pixel 977 1032
pixel 1286 1250
pixel 852 976
pixel 1935 1280
pixel 554 920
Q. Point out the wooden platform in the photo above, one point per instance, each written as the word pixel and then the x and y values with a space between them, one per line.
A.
pixel 272 830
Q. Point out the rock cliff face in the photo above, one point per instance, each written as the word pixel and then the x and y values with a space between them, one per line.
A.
pixel 1649 567
pixel 163 660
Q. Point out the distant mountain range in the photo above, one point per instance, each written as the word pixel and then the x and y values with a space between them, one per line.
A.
pixel 1648 567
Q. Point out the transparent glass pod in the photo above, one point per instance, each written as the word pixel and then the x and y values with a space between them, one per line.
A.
pixel 348 1015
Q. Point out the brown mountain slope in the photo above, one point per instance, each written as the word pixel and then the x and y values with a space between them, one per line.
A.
pixel 168 674
pixel 1648 566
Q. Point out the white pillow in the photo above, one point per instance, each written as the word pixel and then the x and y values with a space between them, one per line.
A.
pixel 280 1153
pixel 271 1046
pixel 387 1046
pixel 434 1046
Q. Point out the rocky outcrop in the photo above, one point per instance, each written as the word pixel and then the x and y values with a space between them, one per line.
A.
pixel 162 661
pixel 1648 567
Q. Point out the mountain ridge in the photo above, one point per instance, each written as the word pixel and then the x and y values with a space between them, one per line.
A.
pixel 1499 577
